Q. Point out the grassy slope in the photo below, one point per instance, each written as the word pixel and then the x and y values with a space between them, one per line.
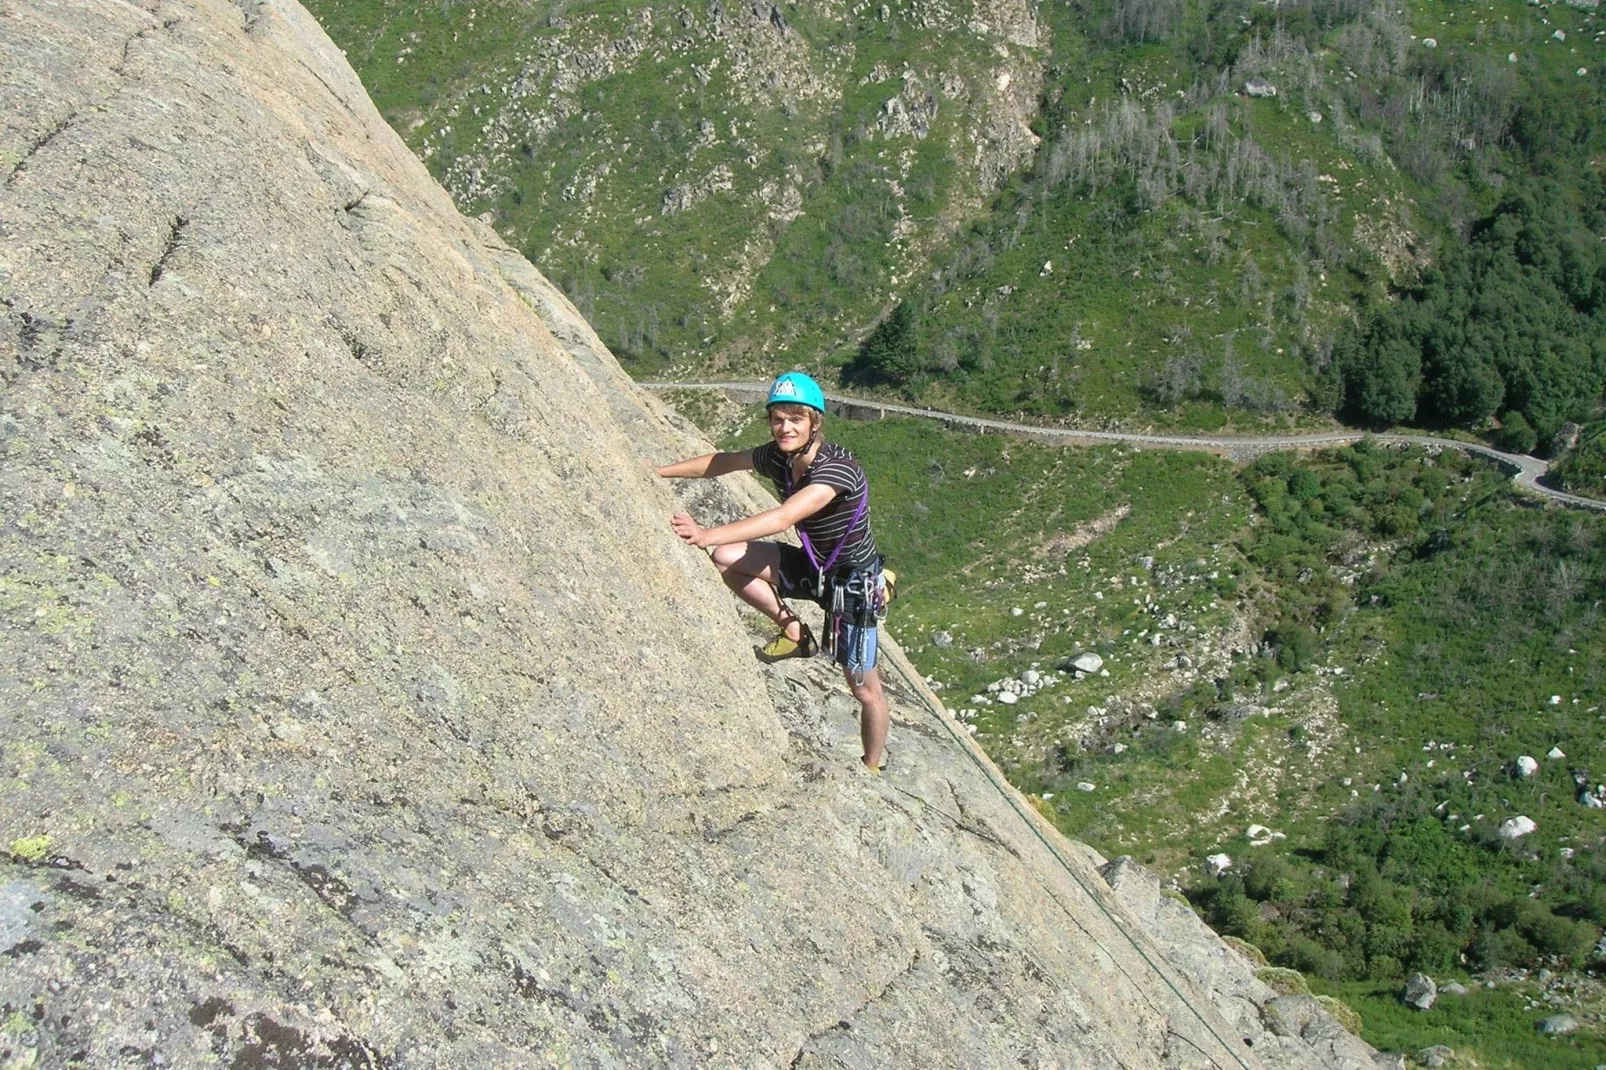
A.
pixel 1239 290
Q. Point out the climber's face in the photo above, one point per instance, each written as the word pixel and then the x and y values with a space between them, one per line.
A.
pixel 791 426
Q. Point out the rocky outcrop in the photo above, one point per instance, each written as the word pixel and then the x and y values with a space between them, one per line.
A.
pixel 357 707
pixel 1290 1030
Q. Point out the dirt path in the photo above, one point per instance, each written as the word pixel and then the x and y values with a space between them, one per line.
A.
pixel 1526 471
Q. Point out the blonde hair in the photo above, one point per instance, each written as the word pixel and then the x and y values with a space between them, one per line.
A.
pixel 789 408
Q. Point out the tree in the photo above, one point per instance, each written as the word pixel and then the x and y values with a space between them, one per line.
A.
pixel 1514 319
pixel 1382 373
pixel 887 355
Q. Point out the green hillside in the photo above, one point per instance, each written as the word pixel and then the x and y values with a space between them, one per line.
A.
pixel 1188 250
pixel 739 184
pixel 1084 211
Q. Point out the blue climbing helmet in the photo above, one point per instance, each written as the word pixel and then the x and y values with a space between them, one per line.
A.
pixel 795 388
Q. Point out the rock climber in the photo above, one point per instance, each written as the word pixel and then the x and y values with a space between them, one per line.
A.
pixel 824 494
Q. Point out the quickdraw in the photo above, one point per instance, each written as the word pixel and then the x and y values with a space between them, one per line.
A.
pixel 857 597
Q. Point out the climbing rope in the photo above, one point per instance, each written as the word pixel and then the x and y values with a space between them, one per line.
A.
pixel 1008 794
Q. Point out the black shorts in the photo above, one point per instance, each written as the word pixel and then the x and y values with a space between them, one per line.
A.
pixel 798 578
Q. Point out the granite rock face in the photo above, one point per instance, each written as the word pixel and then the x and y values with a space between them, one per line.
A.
pixel 357 707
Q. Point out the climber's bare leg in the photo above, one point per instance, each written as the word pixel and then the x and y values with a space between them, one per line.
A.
pixel 873 716
pixel 753 571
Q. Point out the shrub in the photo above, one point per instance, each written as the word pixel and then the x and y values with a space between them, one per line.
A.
pixel 1343 1014
pixel 1296 644
pixel 1552 935
pixel 1501 947
pixel 1516 434
pixel 1247 950
pixel 1283 981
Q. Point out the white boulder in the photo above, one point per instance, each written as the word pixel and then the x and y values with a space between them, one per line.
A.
pixel 1526 766
pixel 1088 662
pixel 1514 828
pixel 1218 864
pixel 1555 754
pixel 1420 992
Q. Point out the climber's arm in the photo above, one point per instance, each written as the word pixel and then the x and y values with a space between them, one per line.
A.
pixel 708 465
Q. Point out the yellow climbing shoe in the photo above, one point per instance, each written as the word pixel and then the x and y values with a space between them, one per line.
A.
pixel 780 648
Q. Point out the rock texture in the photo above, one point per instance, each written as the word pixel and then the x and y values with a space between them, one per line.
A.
pixel 357 708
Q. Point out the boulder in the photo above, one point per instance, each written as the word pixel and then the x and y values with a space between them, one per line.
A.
pixel 1555 754
pixel 1420 992
pixel 1557 1025
pixel 1260 88
pixel 1437 1056
pixel 942 640
pixel 1514 828
pixel 1526 766
pixel 1567 436
pixel 1087 662
pixel 1454 988
pixel 1218 864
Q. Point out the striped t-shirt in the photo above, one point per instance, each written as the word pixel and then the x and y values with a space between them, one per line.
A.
pixel 833 467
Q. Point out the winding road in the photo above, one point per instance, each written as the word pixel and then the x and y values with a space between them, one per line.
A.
pixel 1526 471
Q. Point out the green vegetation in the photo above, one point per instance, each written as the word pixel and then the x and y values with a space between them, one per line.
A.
pixel 1491 1029
pixel 1184 250
pixel 704 182
pixel 1403 232
pixel 30 848
pixel 1514 322
pixel 1583 469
